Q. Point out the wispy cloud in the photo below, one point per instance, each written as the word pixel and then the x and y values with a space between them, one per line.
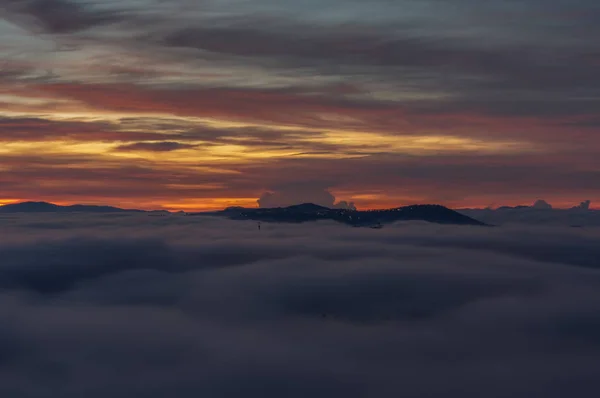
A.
pixel 264 84
pixel 57 16
pixel 163 146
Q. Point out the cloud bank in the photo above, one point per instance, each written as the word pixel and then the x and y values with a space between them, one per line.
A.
pixel 129 305
pixel 540 213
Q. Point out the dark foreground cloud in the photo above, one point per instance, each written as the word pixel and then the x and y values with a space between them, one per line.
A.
pixel 56 16
pixel 126 306
pixel 162 146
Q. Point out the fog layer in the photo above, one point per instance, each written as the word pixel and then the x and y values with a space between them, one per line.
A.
pixel 136 306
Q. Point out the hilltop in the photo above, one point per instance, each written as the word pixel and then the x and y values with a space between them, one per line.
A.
pixel 293 214
pixel 45 207
pixel 311 212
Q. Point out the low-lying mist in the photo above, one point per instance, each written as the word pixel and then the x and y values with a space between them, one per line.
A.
pixel 137 306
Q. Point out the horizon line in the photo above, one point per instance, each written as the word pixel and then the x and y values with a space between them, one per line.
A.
pixel 70 204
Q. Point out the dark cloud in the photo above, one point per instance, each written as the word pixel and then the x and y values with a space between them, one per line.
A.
pixel 510 77
pixel 289 106
pixel 11 71
pixel 57 16
pixel 163 146
pixel 131 305
pixel 37 129
pixel 294 106
pixel 158 136
pixel 486 75
pixel 585 205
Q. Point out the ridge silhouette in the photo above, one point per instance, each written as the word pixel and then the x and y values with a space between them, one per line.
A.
pixel 304 212
pixel 368 218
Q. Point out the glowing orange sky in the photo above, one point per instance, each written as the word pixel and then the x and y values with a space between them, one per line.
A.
pixel 195 111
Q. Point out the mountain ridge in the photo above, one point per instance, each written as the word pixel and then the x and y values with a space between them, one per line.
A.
pixel 304 212
pixel 373 218
pixel 46 207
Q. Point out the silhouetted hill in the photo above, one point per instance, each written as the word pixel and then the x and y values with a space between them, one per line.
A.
pixel 311 212
pixel 292 214
pixel 44 207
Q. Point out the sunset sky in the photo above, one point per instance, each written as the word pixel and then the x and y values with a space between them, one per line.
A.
pixel 196 105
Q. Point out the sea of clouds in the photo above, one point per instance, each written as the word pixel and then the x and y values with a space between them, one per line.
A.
pixel 136 306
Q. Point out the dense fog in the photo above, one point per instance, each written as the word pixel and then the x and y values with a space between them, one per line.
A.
pixel 137 306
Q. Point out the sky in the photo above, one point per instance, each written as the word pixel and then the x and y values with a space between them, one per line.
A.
pixel 197 105
pixel 135 306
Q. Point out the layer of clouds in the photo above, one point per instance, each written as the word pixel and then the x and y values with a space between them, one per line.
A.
pixel 520 82
pixel 129 305
pixel 424 51
pixel 540 213
pixel 57 16
pixel 394 180
pixel 162 146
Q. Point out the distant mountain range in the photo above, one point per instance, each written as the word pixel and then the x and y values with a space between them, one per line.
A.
pixel 44 207
pixel 292 214
pixel 372 218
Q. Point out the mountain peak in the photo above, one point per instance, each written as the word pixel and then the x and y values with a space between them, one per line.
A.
pixel 307 207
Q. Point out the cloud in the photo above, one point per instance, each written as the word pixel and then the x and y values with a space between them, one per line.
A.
pixel 288 106
pixel 301 108
pixel 585 205
pixel 381 84
pixel 483 74
pixel 464 72
pixel 38 129
pixel 389 180
pixel 294 194
pixel 525 215
pixel 164 146
pixel 58 16
pixel 130 305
